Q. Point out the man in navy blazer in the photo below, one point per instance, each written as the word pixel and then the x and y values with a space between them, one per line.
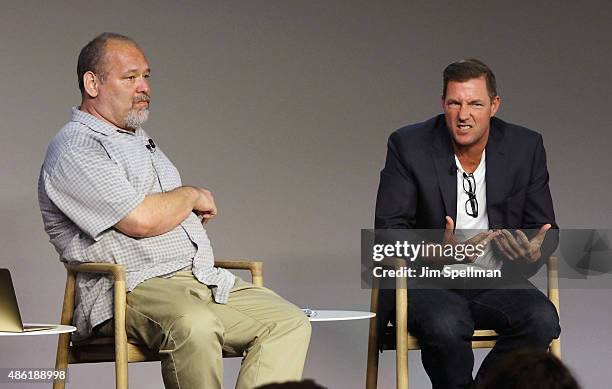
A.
pixel 466 169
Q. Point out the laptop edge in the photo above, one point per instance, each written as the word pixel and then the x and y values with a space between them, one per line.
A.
pixel 10 318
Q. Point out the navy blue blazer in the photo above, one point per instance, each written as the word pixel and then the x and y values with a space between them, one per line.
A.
pixel 418 185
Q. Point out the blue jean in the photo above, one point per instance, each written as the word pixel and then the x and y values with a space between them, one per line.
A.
pixel 443 320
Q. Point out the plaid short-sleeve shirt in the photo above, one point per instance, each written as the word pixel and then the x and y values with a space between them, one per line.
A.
pixel 93 175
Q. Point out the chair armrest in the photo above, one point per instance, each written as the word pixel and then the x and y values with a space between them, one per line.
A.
pixel 395 262
pixel 119 300
pixel 255 267
pixel 118 271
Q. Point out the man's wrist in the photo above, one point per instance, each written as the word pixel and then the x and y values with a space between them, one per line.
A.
pixel 191 194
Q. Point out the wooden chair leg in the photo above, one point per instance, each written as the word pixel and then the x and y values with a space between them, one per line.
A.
pixel 61 360
pixel 372 367
pixel 121 357
pixel 63 343
pixel 121 366
pixel 555 348
pixel 401 328
pixel 553 295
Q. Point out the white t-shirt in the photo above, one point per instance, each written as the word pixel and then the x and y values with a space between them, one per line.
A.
pixel 467 226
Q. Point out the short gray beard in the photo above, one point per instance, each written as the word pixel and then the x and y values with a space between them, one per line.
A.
pixel 136 118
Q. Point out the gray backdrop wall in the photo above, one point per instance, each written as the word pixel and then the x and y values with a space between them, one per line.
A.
pixel 283 109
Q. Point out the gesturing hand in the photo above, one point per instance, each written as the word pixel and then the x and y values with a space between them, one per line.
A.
pixel 520 247
pixel 482 238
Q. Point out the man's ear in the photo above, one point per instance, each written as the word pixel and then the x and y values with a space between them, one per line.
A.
pixel 495 103
pixel 91 82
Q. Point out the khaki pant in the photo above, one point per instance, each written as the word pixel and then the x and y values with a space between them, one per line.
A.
pixel 178 317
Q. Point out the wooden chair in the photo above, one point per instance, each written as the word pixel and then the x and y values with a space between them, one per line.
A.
pixel 398 337
pixel 119 348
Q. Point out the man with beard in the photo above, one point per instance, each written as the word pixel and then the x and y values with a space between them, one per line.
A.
pixel 107 193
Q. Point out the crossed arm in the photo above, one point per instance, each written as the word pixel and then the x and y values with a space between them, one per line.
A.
pixel 162 212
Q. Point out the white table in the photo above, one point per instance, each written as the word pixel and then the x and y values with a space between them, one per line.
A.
pixel 333 315
pixel 57 329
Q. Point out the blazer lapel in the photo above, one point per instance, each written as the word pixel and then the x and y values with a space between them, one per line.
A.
pixel 444 162
pixel 496 174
